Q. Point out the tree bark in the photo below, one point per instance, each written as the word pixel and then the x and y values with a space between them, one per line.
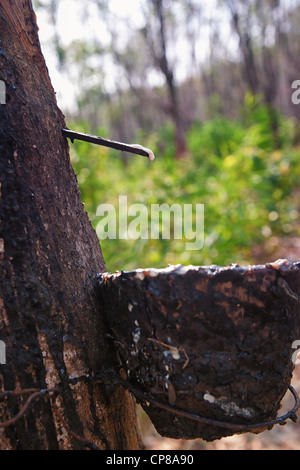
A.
pixel 50 321
pixel 246 48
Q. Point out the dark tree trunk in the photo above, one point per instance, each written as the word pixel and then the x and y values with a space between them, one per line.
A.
pixel 50 322
pixel 164 65
pixel 259 78
pixel 246 48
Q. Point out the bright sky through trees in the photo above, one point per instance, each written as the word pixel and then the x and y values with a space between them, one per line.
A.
pixel 77 21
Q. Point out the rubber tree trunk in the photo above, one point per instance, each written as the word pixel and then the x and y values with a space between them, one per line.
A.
pixel 50 323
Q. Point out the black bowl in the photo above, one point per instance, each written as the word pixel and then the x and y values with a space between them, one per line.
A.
pixel 212 341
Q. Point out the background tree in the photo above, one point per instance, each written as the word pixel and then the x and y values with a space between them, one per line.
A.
pixel 155 34
pixel 258 27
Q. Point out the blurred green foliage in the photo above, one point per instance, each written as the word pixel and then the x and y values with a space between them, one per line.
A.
pixel 247 182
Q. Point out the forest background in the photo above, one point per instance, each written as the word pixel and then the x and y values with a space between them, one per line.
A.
pixel 208 87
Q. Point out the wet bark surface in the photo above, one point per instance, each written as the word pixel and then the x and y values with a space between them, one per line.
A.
pixel 212 341
pixel 50 320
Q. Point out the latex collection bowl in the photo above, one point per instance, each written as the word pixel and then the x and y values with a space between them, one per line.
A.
pixel 212 341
